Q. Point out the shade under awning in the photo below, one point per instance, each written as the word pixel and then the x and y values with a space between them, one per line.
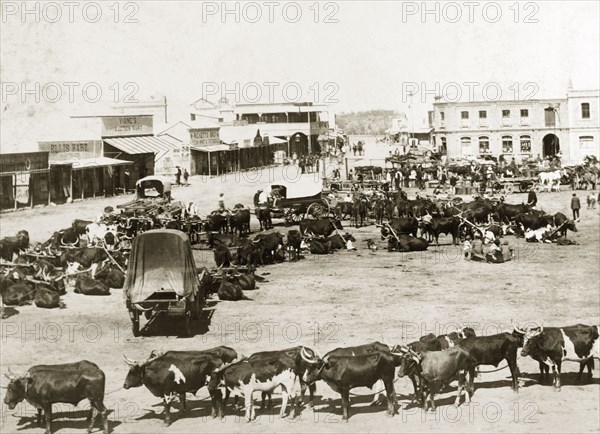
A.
pixel 212 148
pixel 84 163
pixel 140 144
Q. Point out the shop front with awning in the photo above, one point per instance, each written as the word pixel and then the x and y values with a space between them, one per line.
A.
pixel 90 177
pixel 141 151
pixel 78 170
pixel 215 160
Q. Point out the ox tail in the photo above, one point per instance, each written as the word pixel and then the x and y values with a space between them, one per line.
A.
pixel 246 298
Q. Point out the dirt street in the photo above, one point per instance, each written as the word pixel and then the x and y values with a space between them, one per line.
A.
pixel 326 302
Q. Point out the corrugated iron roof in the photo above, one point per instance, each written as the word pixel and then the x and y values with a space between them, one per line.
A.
pixel 140 144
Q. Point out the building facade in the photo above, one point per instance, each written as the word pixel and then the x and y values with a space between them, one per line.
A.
pixel 519 129
pixel 298 124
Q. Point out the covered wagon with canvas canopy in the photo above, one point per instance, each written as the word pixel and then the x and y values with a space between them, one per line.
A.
pixel 162 278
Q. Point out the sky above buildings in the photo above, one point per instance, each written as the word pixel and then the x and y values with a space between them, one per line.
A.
pixel 63 59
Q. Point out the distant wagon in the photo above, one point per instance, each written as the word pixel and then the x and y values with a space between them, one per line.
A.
pixel 294 201
pixel 162 279
pixel 149 191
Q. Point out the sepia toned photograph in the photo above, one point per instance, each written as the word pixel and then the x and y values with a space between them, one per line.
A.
pixel 299 216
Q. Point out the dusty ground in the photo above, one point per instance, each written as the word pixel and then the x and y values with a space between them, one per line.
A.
pixel 325 302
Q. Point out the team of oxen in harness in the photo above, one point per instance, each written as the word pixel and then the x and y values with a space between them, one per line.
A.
pixel 432 363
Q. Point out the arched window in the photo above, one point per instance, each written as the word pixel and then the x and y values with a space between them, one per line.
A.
pixel 507 145
pixel 526 144
pixel 465 146
pixel 484 145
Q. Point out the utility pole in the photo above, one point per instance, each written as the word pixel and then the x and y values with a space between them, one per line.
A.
pixel 410 95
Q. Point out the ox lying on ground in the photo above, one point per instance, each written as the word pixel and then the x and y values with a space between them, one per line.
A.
pixel 230 290
pixel 44 385
pixel 88 286
pixel 407 243
pixel 319 227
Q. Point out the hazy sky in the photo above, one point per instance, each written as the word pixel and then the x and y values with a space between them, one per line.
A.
pixel 367 57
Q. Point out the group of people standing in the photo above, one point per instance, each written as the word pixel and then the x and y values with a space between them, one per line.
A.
pixel 179 174
pixel 359 148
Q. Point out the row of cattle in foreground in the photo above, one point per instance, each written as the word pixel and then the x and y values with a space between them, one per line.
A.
pixel 431 363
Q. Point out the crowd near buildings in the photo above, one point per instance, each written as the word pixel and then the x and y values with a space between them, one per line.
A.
pixel 565 127
pixel 219 137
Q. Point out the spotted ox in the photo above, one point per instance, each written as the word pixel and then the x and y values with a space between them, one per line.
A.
pixel 176 373
pixel 550 346
pixel 264 374
pixel 301 366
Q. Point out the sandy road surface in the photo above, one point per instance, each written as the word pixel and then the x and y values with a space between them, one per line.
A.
pixel 326 302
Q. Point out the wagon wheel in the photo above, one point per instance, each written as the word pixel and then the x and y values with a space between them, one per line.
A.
pixel 315 209
pixel 319 210
pixel 508 188
pixel 135 323
pixel 525 186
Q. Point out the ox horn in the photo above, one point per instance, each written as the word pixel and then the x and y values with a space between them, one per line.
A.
pixel 516 328
pixel 130 362
pixel 305 356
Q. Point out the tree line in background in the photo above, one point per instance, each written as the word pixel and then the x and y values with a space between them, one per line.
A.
pixel 366 122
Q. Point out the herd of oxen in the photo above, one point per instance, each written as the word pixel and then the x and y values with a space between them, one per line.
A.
pixel 94 252
pixel 431 363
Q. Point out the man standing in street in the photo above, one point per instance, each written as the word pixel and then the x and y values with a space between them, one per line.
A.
pixel 532 198
pixel 575 206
